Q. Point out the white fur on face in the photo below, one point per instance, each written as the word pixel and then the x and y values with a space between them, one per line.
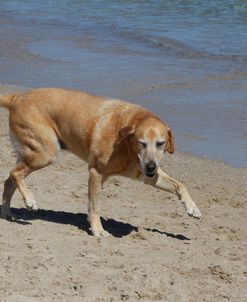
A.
pixel 151 148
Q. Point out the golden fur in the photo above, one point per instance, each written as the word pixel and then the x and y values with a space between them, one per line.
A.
pixel 114 137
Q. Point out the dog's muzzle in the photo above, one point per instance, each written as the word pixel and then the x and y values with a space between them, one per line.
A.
pixel 150 169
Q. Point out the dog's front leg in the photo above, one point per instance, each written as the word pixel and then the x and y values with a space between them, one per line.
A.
pixel 165 182
pixel 94 187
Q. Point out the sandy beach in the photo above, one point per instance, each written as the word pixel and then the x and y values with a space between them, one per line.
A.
pixel 156 252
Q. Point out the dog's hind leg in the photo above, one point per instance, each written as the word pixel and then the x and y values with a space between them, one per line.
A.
pixel 21 171
pixel 9 190
pixel 16 179
pixel 165 182
pixel 95 183
pixel 35 152
pixel 33 160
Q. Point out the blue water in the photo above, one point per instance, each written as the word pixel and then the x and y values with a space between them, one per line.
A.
pixel 185 60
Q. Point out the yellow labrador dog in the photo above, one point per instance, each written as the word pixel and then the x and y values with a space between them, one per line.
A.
pixel 114 137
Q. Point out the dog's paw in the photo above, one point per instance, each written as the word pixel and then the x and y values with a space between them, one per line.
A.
pixel 192 210
pixel 31 205
pixel 100 233
pixel 8 215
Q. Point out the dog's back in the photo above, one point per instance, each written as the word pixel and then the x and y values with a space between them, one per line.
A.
pixel 76 120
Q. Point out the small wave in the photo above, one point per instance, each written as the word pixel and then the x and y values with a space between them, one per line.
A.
pixel 177 47
pixel 173 46
pixel 233 74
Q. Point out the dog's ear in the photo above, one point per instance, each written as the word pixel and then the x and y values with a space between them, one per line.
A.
pixel 170 147
pixel 124 133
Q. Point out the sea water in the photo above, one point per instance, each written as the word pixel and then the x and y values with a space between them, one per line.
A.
pixel 184 60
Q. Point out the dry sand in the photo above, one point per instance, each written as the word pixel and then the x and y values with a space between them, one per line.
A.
pixel 156 252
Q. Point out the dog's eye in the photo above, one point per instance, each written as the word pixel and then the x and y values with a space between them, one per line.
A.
pixel 159 144
pixel 142 144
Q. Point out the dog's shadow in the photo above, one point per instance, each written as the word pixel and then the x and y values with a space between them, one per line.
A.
pixel 115 228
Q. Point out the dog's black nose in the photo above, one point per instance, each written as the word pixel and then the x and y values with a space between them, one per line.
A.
pixel 150 168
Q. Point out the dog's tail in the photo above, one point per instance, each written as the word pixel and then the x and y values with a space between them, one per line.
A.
pixel 5 100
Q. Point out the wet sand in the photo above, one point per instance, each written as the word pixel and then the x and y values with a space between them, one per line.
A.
pixel 156 252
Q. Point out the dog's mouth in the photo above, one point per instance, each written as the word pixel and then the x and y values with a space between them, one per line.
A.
pixel 150 174
pixel 151 169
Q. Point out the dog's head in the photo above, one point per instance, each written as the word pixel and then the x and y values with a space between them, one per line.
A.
pixel 149 140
